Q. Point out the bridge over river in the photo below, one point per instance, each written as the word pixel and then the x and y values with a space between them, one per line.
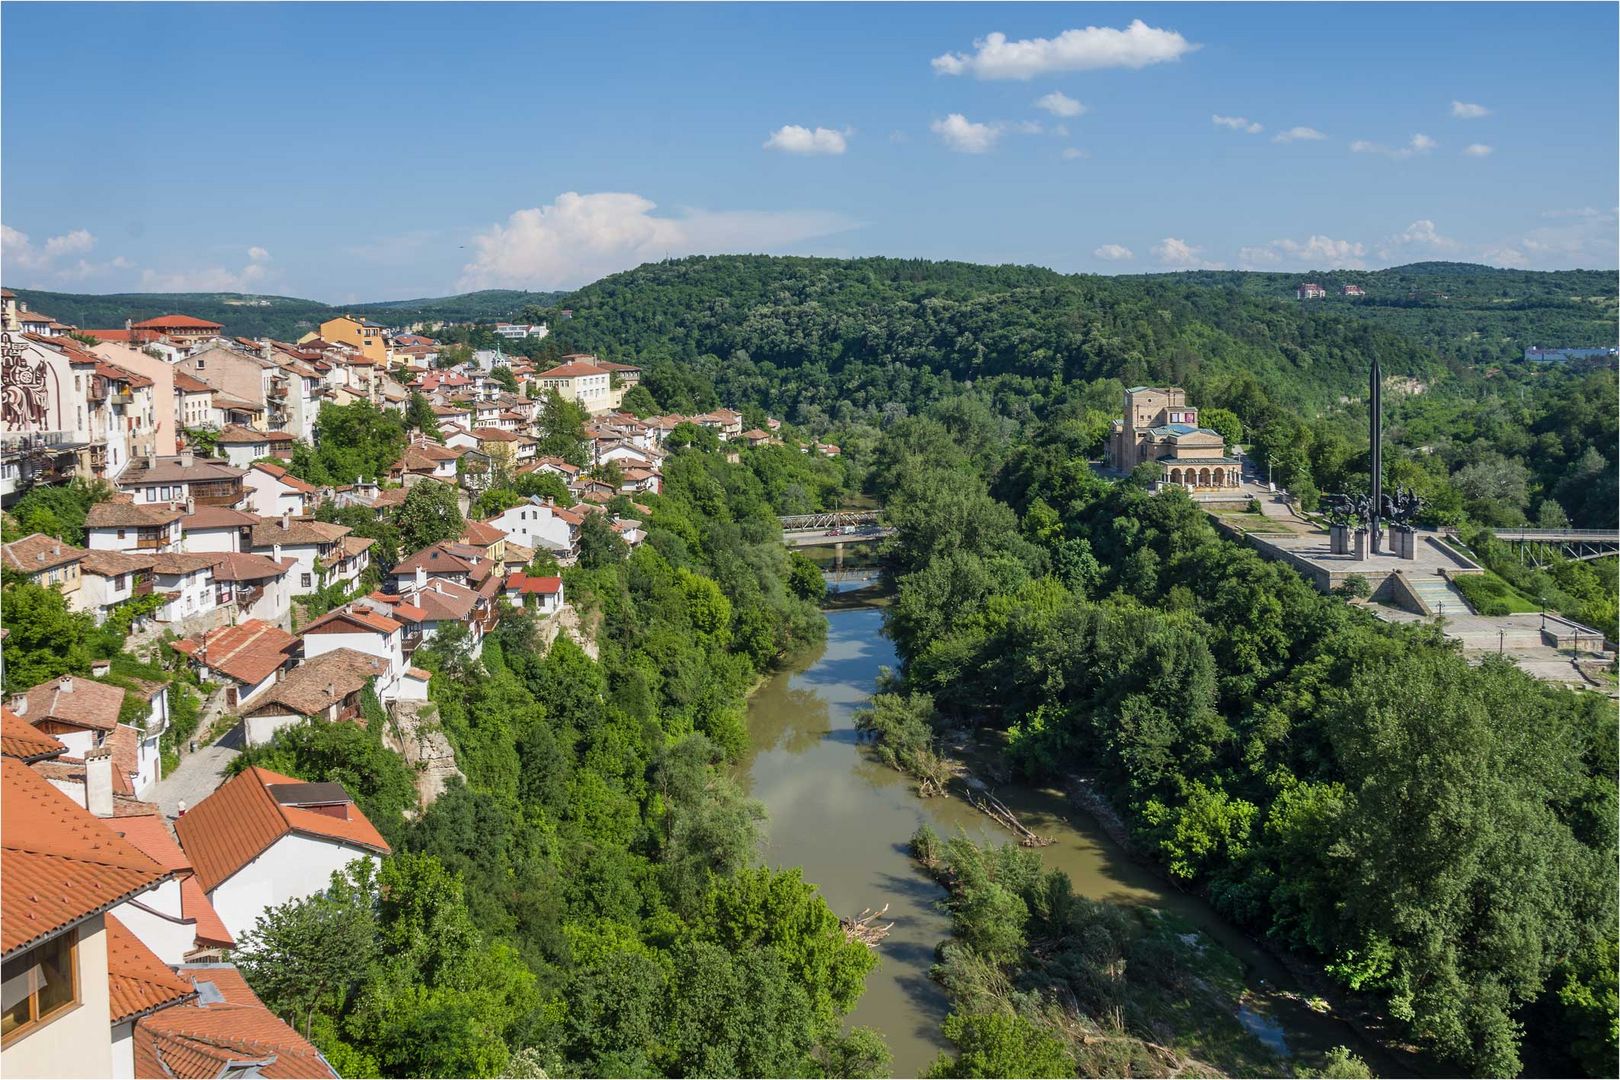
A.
pixel 833 528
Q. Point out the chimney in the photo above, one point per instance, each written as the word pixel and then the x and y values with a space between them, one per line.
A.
pixel 128 327
pixel 66 685
pixel 19 703
pixel 191 505
pixel 151 461
pixel 186 460
pixel 286 519
pixel 275 552
pixel 99 668
pixel 421 576
pixel 98 781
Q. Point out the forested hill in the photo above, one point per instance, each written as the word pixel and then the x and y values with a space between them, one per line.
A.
pixel 1479 314
pixel 285 317
pixel 809 333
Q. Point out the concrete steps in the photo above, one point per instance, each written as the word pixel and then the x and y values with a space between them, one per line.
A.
pixel 1440 595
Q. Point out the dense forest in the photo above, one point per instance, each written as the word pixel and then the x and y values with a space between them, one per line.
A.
pixel 287 318
pixel 1437 834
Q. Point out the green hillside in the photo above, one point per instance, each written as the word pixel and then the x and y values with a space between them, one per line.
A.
pixel 285 317
pixel 1465 311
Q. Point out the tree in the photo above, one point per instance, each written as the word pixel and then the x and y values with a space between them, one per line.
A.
pixel 1000 1044
pixel 430 513
pixel 1224 421
pixel 311 955
pixel 45 638
pixel 561 429
pixel 419 416
pixel 357 440
pixel 599 545
pixel 638 401
pixel 804 577
pixel 502 375
pixel 56 510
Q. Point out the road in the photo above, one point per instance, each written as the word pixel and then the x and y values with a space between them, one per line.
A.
pixel 197 775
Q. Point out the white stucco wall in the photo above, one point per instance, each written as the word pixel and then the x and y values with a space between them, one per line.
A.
pixel 123 1051
pixel 290 869
pixel 78 1042
pixel 155 918
pixel 221 540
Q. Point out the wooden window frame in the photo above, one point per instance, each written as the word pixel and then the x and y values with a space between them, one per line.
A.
pixel 76 1000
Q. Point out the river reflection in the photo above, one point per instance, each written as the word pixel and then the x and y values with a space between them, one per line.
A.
pixel 846 819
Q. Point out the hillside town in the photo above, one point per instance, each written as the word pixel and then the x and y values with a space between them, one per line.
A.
pixel 139 859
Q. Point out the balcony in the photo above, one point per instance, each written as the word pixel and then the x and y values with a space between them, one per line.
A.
pixel 142 586
pixel 150 541
pixel 217 493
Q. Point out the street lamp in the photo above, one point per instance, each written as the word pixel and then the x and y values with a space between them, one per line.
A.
pixel 1501 641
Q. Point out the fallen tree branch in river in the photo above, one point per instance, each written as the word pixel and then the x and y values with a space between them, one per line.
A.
pixel 1001 814
pixel 865 927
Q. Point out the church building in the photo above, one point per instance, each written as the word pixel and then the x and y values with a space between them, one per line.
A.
pixel 1160 426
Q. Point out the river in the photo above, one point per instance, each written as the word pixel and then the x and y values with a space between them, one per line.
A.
pixel 846 820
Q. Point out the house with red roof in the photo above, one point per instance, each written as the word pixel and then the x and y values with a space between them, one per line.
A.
pixel 544 594
pixel 64 871
pixel 262 839
pixel 329 686
pixel 273 491
pixel 582 378
pixel 175 920
pixel 248 657
pixel 222 1030
pixel 365 630
pixel 186 328
pixel 216 528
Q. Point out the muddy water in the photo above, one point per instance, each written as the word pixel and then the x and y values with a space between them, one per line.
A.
pixel 846 819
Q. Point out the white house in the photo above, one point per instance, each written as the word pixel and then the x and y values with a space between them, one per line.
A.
pixel 109 578
pixel 121 525
pixel 262 839
pixel 260 587
pixel 539 523
pixel 248 658
pixel 217 529
pixel 189 582
pixel 546 592
pixel 309 542
pixel 273 491
pixel 363 630
pixel 328 686
pixel 175 920
pixel 243 446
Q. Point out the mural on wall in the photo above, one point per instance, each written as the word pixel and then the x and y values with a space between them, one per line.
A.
pixel 30 387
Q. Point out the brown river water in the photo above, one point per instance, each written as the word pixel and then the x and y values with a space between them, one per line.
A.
pixel 846 819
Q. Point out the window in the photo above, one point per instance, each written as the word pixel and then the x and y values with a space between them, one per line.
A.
pixel 40 984
pixel 120 534
pixel 304 581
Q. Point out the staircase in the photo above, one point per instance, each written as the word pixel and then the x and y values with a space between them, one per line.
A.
pixel 1439 595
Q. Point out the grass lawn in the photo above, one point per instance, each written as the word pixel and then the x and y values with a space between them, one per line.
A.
pixel 1492 595
pixel 1249 521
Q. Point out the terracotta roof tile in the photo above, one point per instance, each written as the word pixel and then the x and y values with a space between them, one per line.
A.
pixel 72 699
pixel 58 864
pixel 268 532
pixel 137 981
pixel 178 322
pixel 113 563
pixel 217 517
pixel 354 616
pixel 21 740
pixel 248 652
pixel 196 908
pixel 226 1027
pixel 285 477
pixel 242 566
pixel 321 682
pixel 190 384
pixel 37 552
pixel 120 513
pixel 241 819
pixel 542 586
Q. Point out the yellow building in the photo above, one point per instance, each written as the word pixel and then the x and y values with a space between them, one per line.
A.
pixel 363 335
pixel 1159 425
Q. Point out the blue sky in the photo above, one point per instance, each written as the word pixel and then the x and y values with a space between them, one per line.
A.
pixel 354 152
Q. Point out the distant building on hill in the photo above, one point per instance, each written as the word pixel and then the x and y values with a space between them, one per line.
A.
pixel 1352 290
pixel 1310 291
pixel 1539 355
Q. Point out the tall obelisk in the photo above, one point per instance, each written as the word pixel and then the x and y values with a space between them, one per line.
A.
pixel 1375 430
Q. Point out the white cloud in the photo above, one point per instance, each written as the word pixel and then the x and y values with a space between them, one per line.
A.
pixel 1237 123
pixel 793 139
pixel 20 253
pixel 1315 252
pixel 1417 144
pixel 211 279
pixel 1174 252
pixel 578 238
pixel 1421 238
pixel 1096 47
pixel 1073 153
pixel 1298 134
pixel 1028 127
pixel 964 136
pixel 1478 149
pixel 1467 111
pixel 1060 104
pixel 1114 253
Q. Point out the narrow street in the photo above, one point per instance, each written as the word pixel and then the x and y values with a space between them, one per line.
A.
pixel 197 775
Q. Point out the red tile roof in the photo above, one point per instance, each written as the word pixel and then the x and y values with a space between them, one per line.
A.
pixel 285 477
pixel 195 908
pixel 331 623
pixel 217 517
pixel 124 513
pixel 74 700
pixel 190 384
pixel 21 740
pixel 226 1028
pixel 241 819
pixel 168 322
pixel 319 683
pixel 573 370
pixel 540 586
pixel 58 864
pixel 241 566
pixel 137 981
pixel 247 652
pixel 37 552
